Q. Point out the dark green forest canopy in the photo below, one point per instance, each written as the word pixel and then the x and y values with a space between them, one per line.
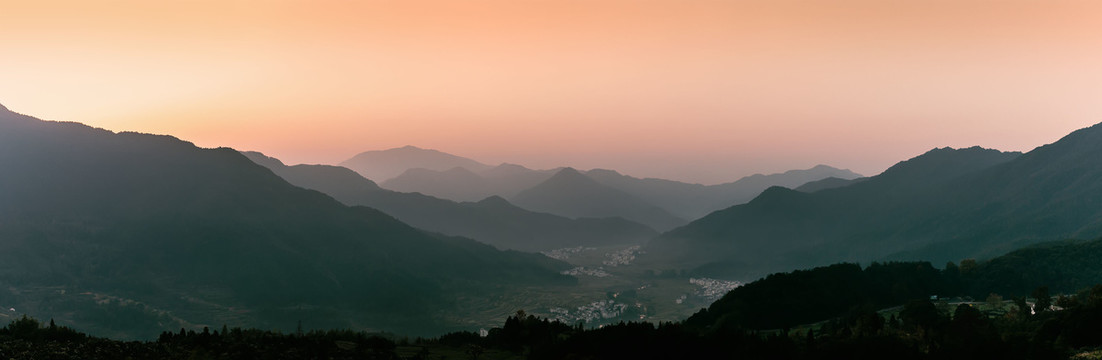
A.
pixel 805 296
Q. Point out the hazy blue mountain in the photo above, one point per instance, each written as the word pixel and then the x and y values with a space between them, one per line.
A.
pixel 122 233
pixel 461 184
pixel 493 220
pixel 827 183
pixel 692 201
pixel 382 165
pixel 573 194
pixel 943 205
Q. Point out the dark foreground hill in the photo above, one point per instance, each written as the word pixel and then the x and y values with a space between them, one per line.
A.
pixel 493 220
pixel 781 300
pixel 122 233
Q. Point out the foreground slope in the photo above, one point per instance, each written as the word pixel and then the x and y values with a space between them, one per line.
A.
pixel 781 300
pixel 493 220
pixel 121 233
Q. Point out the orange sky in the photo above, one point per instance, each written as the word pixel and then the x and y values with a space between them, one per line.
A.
pixel 702 91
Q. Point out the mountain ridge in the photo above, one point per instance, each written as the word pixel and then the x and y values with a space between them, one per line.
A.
pixel 572 194
pixel 382 165
pixel 492 220
pixel 680 199
pixel 156 221
pixel 878 218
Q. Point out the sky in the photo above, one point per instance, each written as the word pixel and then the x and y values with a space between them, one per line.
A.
pixel 691 90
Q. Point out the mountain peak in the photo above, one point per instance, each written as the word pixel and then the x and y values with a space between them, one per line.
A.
pixel 4 109
pixel 603 172
pixel 506 169
pixel 569 175
pixel 381 165
pixel 495 201
pixel 573 194
pixel 568 171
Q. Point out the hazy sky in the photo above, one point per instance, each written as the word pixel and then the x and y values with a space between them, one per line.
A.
pixel 702 91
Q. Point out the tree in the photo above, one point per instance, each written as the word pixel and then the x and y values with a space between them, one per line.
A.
pixel 919 315
pixel 1023 308
pixel 474 351
pixel 995 302
pixel 1042 300
pixel 967 266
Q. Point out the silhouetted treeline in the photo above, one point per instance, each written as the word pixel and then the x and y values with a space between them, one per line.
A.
pixel 920 329
pixel 26 338
pixel 806 296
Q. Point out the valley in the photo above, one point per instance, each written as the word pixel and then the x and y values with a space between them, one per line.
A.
pixel 127 235
pixel 551 179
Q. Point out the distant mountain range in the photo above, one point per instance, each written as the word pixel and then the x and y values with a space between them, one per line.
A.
pixel 382 165
pixel 693 201
pixel 945 205
pixel 447 176
pixel 493 220
pixel 462 184
pixel 121 233
pixel 828 183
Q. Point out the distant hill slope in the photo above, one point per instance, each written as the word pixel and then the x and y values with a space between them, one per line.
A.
pixel 943 205
pixel 461 184
pixel 454 184
pixel 123 233
pixel 693 201
pixel 572 194
pixel 382 165
pixel 682 200
pixel 493 220
pixel 827 183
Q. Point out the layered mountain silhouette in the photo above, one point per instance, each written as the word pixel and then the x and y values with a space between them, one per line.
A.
pixel 573 194
pixel 150 231
pixel 828 183
pixel 462 184
pixel 381 165
pixel 944 205
pixel 492 220
pixel 692 201
pixel 679 199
